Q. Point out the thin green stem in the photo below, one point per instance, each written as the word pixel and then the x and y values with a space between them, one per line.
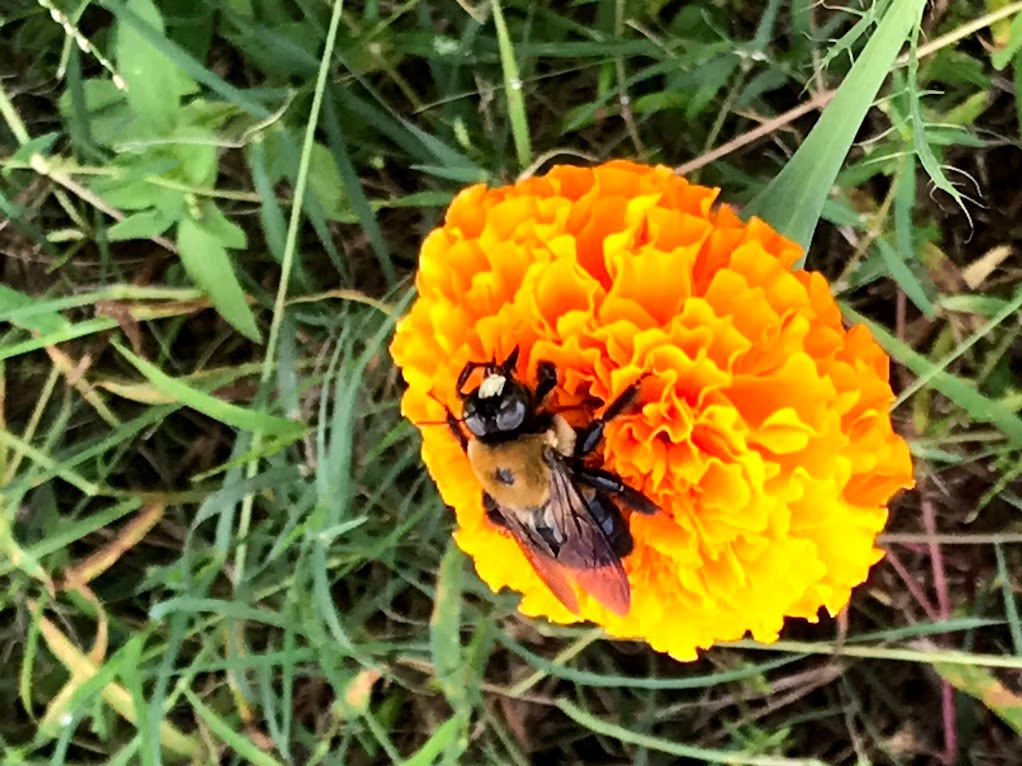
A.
pixel 290 245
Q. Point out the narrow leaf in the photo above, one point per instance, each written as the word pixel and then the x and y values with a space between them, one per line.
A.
pixel 149 223
pixel 959 391
pixel 985 687
pixel 513 90
pixel 438 742
pixel 223 730
pixel 701 754
pixel 229 414
pixel 445 628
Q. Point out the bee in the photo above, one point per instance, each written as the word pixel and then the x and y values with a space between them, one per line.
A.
pixel 564 514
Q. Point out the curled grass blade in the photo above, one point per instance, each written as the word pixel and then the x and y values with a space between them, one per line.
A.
pixel 793 200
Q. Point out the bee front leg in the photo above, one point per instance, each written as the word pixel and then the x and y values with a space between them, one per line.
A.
pixel 455 425
pixel 590 436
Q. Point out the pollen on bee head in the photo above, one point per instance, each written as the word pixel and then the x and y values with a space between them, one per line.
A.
pixel 493 385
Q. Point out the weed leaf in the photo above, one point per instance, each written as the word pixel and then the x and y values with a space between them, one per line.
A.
pixel 208 264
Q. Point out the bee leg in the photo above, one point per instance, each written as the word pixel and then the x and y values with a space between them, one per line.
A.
pixel 455 425
pixel 613 485
pixel 546 375
pixel 590 436
pixel 609 519
pixel 493 511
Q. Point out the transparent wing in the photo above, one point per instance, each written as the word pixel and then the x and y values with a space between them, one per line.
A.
pixel 570 547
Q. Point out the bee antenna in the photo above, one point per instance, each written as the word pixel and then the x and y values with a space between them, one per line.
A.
pixel 511 362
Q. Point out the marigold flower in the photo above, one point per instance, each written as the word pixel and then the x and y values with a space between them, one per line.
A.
pixel 762 432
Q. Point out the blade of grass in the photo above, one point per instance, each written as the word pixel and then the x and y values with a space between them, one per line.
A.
pixel 985 687
pixel 290 245
pixel 80 667
pixel 702 754
pixel 353 187
pixel 75 530
pixel 793 200
pixel 56 467
pixel 895 654
pixel 218 409
pixel 445 629
pixel 1006 310
pixel 438 742
pixel 602 681
pixel 223 730
pixel 903 276
pixel 959 391
pixel 513 89
pixel 1010 604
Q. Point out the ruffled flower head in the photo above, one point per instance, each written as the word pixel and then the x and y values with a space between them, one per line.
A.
pixel 762 428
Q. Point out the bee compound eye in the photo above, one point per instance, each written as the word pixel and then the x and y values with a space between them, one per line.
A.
pixel 511 415
pixel 475 424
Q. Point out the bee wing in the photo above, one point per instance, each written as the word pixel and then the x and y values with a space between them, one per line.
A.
pixel 542 558
pixel 585 550
pixel 571 548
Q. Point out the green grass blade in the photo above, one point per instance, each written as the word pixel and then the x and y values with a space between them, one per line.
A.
pixel 513 90
pixel 1002 310
pixel 984 686
pixel 903 276
pixel 356 194
pixel 793 200
pixel 438 742
pixel 13 304
pixel 227 413
pixel 702 754
pixel 70 332
pixel 290 247
pixel 270 215
pixel 219 607
pixel 603 681
pixel 240 744
pixel 1010 604
pixel 445 629
pixel 959 391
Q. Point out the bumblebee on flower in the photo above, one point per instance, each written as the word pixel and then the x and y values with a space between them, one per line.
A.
pixel 761 432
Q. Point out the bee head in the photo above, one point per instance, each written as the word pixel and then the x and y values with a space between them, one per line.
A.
pixel 499 404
